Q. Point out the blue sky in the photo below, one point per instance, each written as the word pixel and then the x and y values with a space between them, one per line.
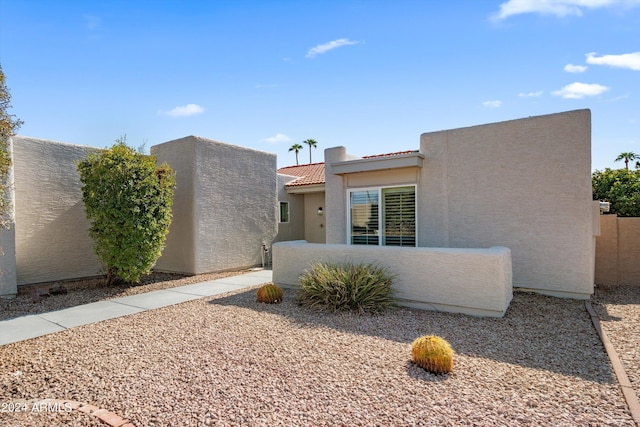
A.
pixel 369 75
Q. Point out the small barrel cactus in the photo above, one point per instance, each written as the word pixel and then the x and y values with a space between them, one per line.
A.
pixel 269 293
pixel 433 354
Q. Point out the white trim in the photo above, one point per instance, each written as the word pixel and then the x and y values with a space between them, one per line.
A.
pixel 379 189
pixel 280 221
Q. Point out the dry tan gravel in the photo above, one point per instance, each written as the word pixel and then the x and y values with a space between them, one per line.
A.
pixel 618 308
pixel 228 360
pixel 44 297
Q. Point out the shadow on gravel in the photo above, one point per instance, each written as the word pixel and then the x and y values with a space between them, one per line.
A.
pixel 615 295
pixel 540 332
pixel 52 296
pixel 418 373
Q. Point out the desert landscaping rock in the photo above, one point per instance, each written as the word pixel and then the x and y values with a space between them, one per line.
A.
pixel 228 360
pixel 618 308
pixel 40 299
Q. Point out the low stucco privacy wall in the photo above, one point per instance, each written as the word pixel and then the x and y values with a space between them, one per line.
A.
pixel 224 208
pixel 52 240
pixel 471 281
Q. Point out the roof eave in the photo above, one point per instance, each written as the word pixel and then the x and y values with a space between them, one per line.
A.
pixel 302 189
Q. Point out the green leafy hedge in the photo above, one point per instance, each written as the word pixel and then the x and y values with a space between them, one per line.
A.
pixel 128 202
pixel 621 187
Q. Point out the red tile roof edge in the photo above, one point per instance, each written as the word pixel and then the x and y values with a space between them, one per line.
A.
pixel 312 176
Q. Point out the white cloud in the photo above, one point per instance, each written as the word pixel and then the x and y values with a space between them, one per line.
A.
pixel 92 22
pixel 570 68
pixel 324 48
pixel 530 94
pixel 580 90
pixel 184 111
pixel 559 8
pixel 626 60
pixel 278 138
pixel 492 104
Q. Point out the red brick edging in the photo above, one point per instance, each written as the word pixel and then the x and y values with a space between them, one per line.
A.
pixel 623 380
pixel 105 416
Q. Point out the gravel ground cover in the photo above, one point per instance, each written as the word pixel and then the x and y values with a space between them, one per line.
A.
pixel 47 297
pixel 228 360
pixel 618 308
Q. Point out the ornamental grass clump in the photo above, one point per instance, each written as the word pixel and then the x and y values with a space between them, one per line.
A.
pixel 433 354
pixel 357 287
pixel 269 294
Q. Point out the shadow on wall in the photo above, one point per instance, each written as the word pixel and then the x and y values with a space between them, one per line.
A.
pixel 51 247
pixel 520 338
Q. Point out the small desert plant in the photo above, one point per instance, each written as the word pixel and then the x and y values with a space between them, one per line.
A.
pixel 359 287
pixel 269 293
pixel 433 354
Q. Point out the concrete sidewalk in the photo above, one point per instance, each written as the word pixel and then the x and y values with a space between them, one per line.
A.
pixel 36 325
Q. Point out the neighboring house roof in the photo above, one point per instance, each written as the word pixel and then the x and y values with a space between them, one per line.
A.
pixel 397 153
pixel 313 173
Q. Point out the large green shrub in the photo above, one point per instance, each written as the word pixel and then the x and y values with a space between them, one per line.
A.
pixel 620 187
pixel 359 287
pixel 9 125
pixel 128 201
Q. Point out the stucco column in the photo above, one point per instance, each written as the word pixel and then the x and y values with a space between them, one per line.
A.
pixel 433 211
pixel 8 278
pixel 335 198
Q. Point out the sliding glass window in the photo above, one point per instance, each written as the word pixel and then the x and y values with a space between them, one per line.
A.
pixel 383 216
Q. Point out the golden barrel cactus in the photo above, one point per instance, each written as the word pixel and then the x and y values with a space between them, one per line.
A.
pixel 269 293
pixel 433 354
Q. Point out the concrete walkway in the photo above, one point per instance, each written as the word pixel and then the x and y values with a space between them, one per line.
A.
pixel 36 325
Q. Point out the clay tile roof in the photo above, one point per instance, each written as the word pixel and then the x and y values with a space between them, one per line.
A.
pixel 397 153
pixel 308 174
pixel 313 173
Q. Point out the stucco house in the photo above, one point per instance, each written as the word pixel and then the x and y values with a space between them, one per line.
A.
pixel 301 194
pixel 461 220
pixel 301 200
pixel 524 185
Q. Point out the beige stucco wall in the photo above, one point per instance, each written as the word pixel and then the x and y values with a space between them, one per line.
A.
pixel 471 281
pixel 618 251
pixel 179 250
pixel 523 184
pixel 232 206
pixel 295 228
pixel 52 240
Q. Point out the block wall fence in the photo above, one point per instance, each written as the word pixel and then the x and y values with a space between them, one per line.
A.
pixel 224 210
pixel 618 251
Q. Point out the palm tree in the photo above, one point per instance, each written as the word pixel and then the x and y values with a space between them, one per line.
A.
pixel 296 147
pixel 627 157
pixel 312 143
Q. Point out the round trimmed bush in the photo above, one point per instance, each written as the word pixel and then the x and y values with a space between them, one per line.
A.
pixel 433 354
